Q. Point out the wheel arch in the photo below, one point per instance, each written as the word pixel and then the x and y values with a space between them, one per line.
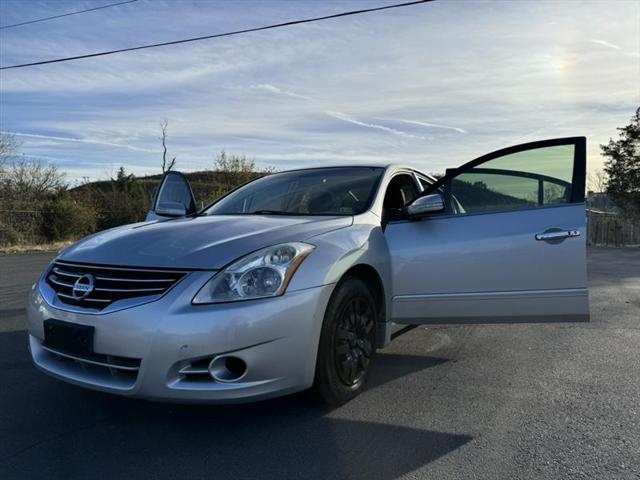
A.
pixel 373 280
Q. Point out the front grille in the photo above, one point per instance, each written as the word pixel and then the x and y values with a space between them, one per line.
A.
pixel 110 284
pixel 106 370
pixel 108 361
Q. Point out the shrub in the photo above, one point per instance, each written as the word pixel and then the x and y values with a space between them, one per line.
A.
pixel 65 217
pixel 8 236
pixel 124 201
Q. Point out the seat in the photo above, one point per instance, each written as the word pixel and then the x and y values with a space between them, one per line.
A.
pixel 394 199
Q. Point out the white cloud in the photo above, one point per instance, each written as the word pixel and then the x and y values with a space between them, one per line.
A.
pixel 81 140
pixel 428 125
pixel 349 119
pixel 604 43
pixel 280 91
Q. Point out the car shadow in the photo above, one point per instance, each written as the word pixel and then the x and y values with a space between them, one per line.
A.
pixel 390 366
pixel 49 429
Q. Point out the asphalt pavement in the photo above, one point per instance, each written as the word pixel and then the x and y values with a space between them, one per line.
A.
pixel 479 402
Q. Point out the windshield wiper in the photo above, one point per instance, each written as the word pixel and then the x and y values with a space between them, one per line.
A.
pixel 271 212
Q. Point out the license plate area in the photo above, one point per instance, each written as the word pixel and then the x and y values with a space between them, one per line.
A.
pixel 67 337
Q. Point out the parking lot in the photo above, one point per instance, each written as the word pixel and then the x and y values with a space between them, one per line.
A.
pixel 487 402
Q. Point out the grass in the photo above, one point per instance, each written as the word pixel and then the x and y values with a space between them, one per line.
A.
pixel 46 247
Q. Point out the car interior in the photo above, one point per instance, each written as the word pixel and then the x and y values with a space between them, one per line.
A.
pixel 401 192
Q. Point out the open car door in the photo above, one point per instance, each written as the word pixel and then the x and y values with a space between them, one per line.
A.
pixel 172 198
pixel 508 245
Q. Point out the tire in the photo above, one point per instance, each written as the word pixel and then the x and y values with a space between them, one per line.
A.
pixel 347 343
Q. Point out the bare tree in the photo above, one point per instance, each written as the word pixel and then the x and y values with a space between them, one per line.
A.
pixel 597 181
pixel 166 166
pixel 26 179
pixel 8 147
pixel 29 179
pixel 8 150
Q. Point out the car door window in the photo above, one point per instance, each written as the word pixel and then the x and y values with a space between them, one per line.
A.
pixel 533 178
pixel 425 183
pixel 401 191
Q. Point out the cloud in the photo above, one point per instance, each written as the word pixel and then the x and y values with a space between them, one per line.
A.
pixel 604 43
pixel 428 125
pixel 280 91
pixel 344 90
pixel 46 158
pixel 81 140
pixel 349 119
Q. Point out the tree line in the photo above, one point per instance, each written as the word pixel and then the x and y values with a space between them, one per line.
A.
pixel 37 205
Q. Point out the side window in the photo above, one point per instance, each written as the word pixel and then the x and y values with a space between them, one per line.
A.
pixel 526 179
pixel 424 183
pixel 409 189
pixel 401 191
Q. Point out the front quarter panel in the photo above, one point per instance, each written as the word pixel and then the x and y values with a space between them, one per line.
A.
pixel 336 252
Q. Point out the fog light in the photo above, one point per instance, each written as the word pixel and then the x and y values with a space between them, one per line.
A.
pixel 227 368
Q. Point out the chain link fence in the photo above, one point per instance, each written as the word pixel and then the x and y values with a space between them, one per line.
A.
pixel 21 227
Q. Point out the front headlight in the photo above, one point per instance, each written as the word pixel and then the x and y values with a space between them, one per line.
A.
pixel 265 273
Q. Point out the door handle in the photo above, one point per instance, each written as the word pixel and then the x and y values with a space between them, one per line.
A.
pixel 556 235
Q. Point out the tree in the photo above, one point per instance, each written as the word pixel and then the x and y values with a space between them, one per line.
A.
pixel 234 170
pixel 31 179
pixel 126 201
pixel 24 186
pixel 166 166
pixel 623 167
pixel 597 181
pixel 26 177
pixel 68 215
pixel 8 147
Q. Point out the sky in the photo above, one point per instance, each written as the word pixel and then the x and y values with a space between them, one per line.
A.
pixel 431 86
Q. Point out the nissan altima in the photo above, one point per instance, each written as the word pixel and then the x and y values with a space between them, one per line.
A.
pixel 293 280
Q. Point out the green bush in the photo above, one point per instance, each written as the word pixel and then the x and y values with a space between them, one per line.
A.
pixel 8 236
pixel 66 218
pixel 124 201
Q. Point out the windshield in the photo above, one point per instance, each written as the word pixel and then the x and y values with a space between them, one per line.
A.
pixel 322 191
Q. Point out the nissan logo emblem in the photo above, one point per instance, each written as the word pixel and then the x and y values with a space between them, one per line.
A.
pixel 83 286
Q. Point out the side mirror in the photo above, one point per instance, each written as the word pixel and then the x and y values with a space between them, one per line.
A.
pixel 172 198
pixel 424 205
pixel 171 209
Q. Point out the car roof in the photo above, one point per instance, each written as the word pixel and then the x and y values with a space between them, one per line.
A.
pixel 386 166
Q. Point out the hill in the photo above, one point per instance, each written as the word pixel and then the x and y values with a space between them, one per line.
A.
pixel 207 185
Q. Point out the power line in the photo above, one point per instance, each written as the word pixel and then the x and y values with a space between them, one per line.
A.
pixel 217 35
pixel 65 15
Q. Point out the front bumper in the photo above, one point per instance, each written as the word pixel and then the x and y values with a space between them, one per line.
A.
pixel 277 338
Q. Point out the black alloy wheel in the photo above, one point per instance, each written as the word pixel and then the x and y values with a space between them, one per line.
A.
pixel 353 345
pixel 347 342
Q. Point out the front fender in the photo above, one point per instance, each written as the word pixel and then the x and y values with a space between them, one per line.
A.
pixel 362 243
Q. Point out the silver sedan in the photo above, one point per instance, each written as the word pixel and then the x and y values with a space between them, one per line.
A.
pixel 295 279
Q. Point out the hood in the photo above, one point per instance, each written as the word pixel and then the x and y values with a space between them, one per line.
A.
pixel 207 242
